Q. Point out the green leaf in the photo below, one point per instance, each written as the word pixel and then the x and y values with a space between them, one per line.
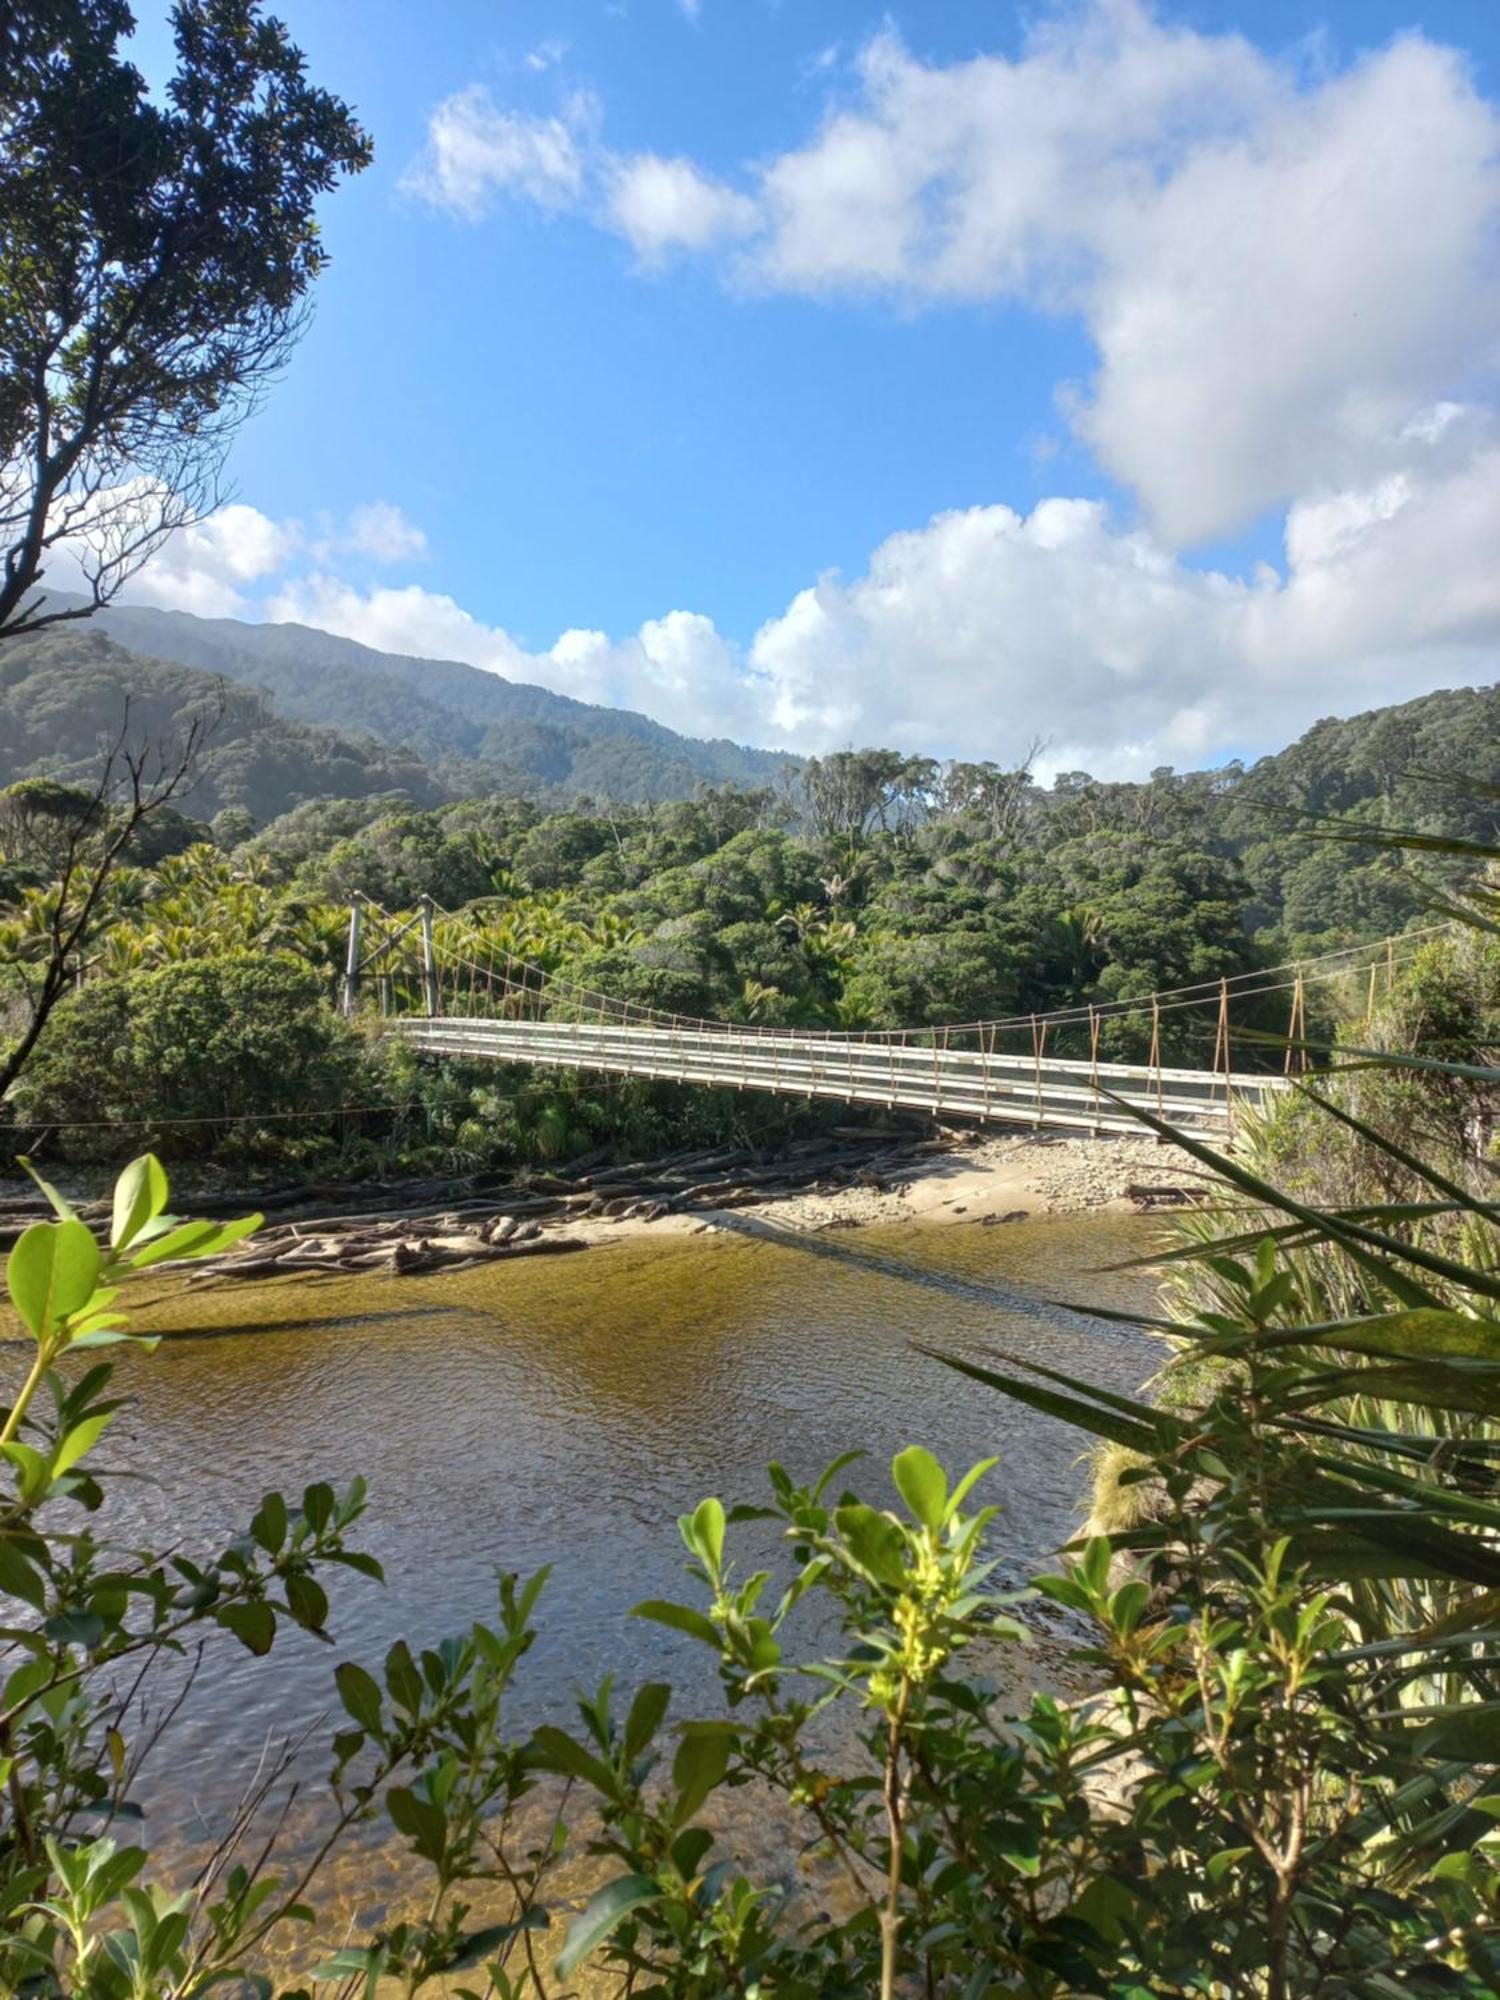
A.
pixel 253 1623
pixel 554 1750
pixel 195 1239
pixel 63 1210
pixel 52 1271
pixel 873 1543
pixel 360 1694
pixel 35 1470
pixel 969 1481
pixel 351 1962
pixel 1425 1333
pixel 706 1532
pixel 700 1763
pixel 1219 1864
pixel 1101 1417
pixel 922 1484
pixel 182 1241
pixel 75 1628
pixel 681 1618
pixel 140 1196
pixel 476 1945
pixel 403 1682
pixel 645 1717
pixel 423 1823
pixel 603 1915
pixel 78 1441
pixel 270 1523
pixel 307 1601
pixel 17 1577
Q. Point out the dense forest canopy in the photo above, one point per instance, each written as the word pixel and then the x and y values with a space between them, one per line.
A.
pixel 875 891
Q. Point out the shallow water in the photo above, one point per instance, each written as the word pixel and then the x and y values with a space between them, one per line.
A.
pixel 565 1410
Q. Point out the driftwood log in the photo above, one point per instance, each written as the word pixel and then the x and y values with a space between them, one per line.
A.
pixel 374 1226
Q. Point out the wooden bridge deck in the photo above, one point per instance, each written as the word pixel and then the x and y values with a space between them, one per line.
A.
pixel 1048 1094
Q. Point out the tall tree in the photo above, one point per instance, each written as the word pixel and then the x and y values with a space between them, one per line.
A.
pixel 77 840
pixel 155 265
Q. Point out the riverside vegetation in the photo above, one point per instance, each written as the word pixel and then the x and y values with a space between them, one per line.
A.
pixel 877 891
pixel 1283 1777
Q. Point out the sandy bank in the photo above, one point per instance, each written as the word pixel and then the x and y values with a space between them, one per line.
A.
pixel 853 1178
pixel 983 1180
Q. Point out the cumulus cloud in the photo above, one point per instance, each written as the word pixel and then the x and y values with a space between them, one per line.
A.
pixel 664 205
pixel 211 568
pixel 475 150
pixel 986 627
pixel 1275 271
pixel 379 531
pixel 1278 264
pixel 677 668
pixel 1269 318
pixel 999 626
pixel 205 568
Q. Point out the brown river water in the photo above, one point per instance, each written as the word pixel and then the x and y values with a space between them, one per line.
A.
pixel 565 1410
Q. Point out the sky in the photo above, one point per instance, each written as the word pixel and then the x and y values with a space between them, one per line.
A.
pixel 954 376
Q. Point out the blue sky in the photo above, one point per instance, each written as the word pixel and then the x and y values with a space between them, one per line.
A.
pixel 650 316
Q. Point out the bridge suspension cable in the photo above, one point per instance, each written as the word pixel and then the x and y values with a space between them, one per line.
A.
pixel 513 1009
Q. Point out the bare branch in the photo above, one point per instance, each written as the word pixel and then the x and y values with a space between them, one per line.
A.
pixel 136 780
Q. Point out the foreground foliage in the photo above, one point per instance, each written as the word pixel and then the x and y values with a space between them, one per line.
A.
pixel 1279 1776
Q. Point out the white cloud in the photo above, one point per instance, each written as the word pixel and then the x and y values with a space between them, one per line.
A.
pixel 991 627
pixel 664 205
pixel 474 150
pixel 1269 318
pixel 546 55
pixel 382 532
pixel 1275 272
pixel 987 627
pixel 1278 265
pixel 677 667
pixel 205 568
pixel 397 620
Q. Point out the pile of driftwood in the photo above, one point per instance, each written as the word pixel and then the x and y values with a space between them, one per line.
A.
pixel 1149 1197
pixel 486 1221
pixel 401 1245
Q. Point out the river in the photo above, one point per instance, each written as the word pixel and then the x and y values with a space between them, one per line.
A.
pixel 564 1411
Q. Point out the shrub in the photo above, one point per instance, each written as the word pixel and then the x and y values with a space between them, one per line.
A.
pixel 192 1057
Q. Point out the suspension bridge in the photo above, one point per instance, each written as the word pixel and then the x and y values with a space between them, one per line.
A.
pixel 1050 1072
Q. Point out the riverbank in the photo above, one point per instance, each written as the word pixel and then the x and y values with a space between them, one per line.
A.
pixel 874 1180
pixel 987 1181
pixel 857 1177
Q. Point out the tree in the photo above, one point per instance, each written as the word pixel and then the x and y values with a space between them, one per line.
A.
pixel 157 262
pixel 194 1054
pixel 997 800
pixel 80 839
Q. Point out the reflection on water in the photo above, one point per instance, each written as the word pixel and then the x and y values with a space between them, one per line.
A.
pixel 564 1411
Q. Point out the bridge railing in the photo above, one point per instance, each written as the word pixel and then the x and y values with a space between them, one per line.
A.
pixel 1068 1063
pixel 984 1086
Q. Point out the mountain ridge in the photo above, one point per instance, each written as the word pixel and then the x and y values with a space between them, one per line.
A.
pixel 445 712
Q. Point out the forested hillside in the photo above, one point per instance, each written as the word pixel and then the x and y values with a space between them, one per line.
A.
pixel 882 892
pixel 310 716
pixel 65 692
pixel 1428 766
pixel 473 730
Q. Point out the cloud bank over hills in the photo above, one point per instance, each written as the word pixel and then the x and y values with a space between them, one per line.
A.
pixel 1289 272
